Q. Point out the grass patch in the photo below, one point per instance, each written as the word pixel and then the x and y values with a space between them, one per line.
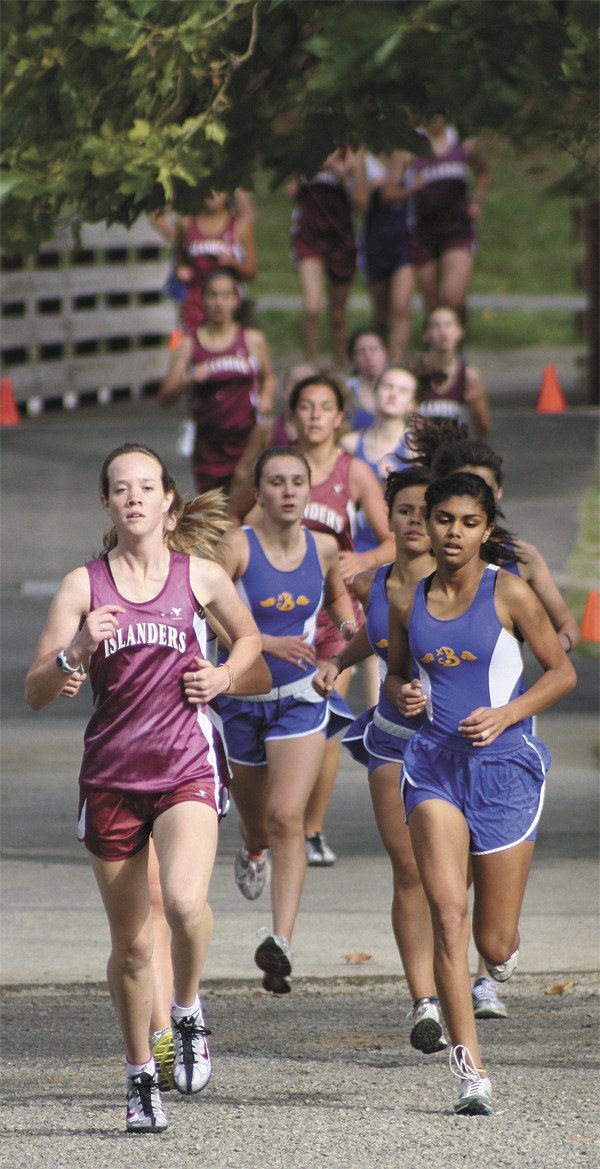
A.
pixel 487 329
pixel 283 331
pixel 527 240
pixel 515 329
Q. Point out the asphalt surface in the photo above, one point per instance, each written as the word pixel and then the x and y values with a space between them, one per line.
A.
pixel 325 1075
pixel 323 1078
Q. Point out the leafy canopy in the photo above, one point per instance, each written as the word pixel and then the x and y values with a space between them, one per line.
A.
pixel 115 107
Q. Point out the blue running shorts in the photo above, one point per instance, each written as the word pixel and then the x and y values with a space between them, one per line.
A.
pixel 371 741
pixel 248 725
pixel 499 792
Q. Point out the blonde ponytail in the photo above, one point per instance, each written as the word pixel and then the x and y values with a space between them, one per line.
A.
pixel 198 525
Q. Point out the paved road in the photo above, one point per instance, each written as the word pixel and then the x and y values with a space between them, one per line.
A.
pixel 328 1075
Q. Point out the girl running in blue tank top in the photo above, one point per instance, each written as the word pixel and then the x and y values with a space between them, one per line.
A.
pixel 378 740
pixel 473 775
pixel 276 741
pixel 445 448
pixel 382 445
pixel 459 453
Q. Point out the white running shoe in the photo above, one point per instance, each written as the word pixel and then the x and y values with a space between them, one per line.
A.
pixel 426 1034
pixel 251 872
pixel 318 852
pixel 192 1065
pixel 475 1096
pixel 145 1112
pixel 504 970
pixel 487 1003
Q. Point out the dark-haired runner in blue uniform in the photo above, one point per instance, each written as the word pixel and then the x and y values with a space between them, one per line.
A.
pixel 473 774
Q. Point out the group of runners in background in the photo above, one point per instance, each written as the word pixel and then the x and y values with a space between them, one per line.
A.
pixel 358 521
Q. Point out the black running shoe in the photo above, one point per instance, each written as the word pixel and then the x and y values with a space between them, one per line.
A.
pixel 426 1034
pixel 274 956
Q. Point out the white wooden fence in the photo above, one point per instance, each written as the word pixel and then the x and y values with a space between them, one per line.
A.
pixel 87 322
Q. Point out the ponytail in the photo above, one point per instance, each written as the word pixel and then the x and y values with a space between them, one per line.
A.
pixel 198 525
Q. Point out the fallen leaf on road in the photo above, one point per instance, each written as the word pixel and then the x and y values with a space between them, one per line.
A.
pixel 560 987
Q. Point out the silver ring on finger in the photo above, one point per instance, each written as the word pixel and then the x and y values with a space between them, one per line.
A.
pixel 194 677
pixel 483 736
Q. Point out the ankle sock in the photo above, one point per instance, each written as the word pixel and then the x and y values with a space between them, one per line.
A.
pixel 137 1069
pixel 178 1012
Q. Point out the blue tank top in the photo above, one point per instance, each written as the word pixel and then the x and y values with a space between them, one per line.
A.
pixel 464 663
pixel 364 536
pixel 283 604
pixel 378 627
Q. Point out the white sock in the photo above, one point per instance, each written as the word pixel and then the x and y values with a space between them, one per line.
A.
pixel 137 1069
pixel 178 1012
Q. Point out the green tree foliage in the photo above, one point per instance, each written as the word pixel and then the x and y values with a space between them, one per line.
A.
pixel 114 107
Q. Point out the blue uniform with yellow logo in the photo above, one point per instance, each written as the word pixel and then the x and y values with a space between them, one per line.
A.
pixel 283 604
pixel 464 663
pixel 380 734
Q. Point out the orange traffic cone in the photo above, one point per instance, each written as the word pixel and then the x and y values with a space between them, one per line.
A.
pixel 175 339
pixel 9 413
pixel 590 622
pixel 551 399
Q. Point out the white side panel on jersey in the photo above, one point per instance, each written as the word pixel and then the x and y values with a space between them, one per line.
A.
pixel 506 667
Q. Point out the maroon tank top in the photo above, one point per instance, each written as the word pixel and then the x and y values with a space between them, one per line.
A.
pixel 447 404
pixel 279 435
pixel 205 253
pixel 223 410
pixel 330 507
pixel 445 193
pixel 143 735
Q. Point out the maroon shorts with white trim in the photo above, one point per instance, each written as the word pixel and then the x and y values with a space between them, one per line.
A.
pixel 115 825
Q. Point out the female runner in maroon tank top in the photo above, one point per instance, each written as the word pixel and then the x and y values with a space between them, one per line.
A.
pixel 227 370
pixel 153 759
pixel 221 235
pixel 448 387
pixel 324 250
pixel 442 236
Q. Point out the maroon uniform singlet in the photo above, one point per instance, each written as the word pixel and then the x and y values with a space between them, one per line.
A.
pixel 447 403
pixel 331 509
pixel 322 226
pixel 222 408
pixel 441 206
pixel 144 736
pixel 205 253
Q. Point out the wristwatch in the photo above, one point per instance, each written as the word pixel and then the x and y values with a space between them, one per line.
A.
pixel 64 665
